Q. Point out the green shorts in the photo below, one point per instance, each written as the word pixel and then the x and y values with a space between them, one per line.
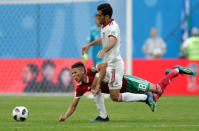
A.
pixel 136 85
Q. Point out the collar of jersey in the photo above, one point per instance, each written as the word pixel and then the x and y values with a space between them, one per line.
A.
pixel 87 81
pixel 108 23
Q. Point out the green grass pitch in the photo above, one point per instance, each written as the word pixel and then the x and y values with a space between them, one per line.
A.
pixel 180 113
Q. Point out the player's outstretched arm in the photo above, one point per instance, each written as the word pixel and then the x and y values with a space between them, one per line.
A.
pixel 87 46
pixel 70 110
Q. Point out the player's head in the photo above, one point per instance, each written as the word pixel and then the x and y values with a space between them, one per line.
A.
pixel 195 31
pixel 78 71
pixel 30 73
pixel 48 69
pixel 104 13
pixel 153 32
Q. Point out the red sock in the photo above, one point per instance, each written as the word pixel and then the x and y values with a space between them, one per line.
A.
pixel 160 87
pixel 155 97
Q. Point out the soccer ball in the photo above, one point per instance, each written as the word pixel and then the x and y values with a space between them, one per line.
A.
pixel 20 113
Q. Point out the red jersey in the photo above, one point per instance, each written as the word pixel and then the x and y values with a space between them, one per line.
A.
pixel 84 87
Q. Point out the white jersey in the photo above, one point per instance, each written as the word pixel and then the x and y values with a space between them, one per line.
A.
pixel 111 30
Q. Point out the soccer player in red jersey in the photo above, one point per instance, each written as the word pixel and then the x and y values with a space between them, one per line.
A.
pixel 85 78
pixel 132 84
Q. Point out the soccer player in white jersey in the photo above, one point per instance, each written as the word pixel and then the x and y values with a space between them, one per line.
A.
pixel 110 39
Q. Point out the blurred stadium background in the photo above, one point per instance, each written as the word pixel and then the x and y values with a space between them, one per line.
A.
pixel 32 31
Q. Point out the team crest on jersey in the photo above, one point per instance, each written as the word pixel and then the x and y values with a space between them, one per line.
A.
pixel 113 33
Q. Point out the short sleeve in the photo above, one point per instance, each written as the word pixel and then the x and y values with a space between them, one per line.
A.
pixel 91 72
pixel 113 33
pixel 94 69
pixel 145 46
pixel 163 44
pixel 79 92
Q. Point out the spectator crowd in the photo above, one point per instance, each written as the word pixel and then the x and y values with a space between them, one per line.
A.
pixel 30 76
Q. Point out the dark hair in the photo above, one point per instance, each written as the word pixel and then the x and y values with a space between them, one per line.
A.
pixel 34 69
pixel 106 9
pixel 79 65
pixel 48 63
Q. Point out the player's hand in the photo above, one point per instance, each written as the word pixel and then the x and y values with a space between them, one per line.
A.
pixel 62 118
pixel 96 89
pixel 85 49
pixel 101 53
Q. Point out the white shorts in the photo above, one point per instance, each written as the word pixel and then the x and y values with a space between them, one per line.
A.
pixel 114 76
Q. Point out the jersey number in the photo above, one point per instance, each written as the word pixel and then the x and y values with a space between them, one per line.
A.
pixel 142 87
